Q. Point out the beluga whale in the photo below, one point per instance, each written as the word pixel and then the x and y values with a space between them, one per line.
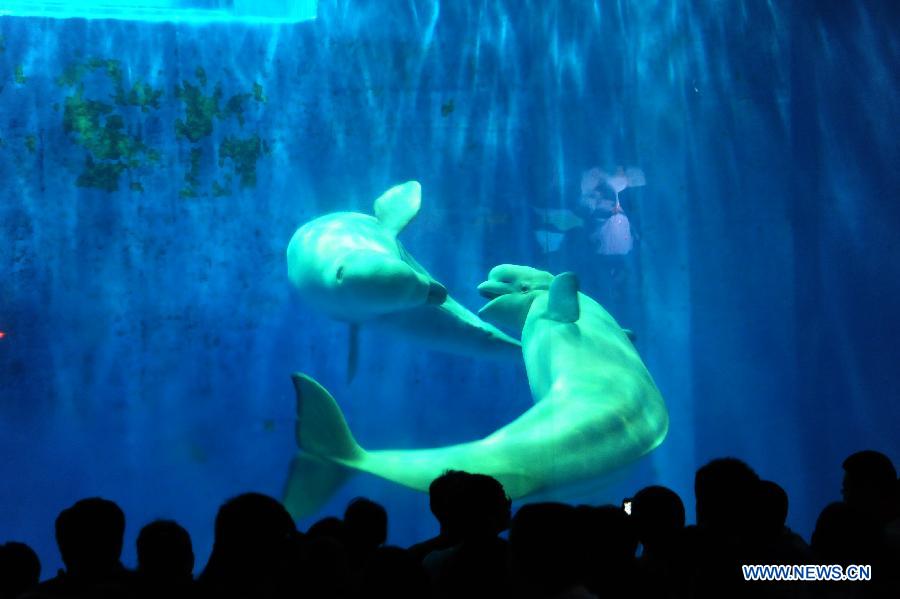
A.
pixel 596 407
pixel 352 267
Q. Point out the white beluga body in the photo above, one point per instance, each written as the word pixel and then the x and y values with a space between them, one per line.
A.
pixel 352 267
pixel 596 407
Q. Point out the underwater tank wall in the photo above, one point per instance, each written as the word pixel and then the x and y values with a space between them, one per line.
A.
pixel 153 173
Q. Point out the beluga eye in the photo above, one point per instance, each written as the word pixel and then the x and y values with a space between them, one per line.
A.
pixel 524 287
pixel 339 275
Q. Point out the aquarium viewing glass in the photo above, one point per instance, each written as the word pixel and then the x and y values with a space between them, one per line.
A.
pixel 720 178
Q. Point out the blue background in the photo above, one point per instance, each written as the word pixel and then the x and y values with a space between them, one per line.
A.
pixel 149 336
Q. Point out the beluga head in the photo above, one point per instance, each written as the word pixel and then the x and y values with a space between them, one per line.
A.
pixel 351 266
pixel 511 289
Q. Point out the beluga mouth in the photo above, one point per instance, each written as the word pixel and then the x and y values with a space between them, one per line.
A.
pixel 493 289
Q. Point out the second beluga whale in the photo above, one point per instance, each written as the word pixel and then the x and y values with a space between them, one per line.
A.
pixel 596 407
pixel 352 267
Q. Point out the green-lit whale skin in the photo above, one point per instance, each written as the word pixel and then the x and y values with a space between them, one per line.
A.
pixel 596 406
pixel 351 267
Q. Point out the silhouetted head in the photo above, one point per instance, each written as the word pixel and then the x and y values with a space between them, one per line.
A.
pixel 772 508
pixel 443 497
pixel 869 483
pixel 329 527
pixel 726 490
pixel 164 551
pixel 253 533
pixel 20 569
pixel 393 572
pixel 89 535
pixel 484 507
pixel 366 524
pixel 545 559
pixel 658 516
pixel 845 535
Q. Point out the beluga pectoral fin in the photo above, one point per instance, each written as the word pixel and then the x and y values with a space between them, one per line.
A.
pixel 352 267
pixel 352 351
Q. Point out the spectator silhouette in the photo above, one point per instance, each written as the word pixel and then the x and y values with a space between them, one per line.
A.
pixel 778 544
pixel 727 494
pixel 253 549
pixel 89 535
pixel 845 535
pixel 869 485
pixel 892 543
pixel 325 567
pixel 326 560
pixel 658 516
pixel 478 564
pixel 775 543
pixel 870 488
pixel 444 499
pixel 393 572
pixel 772 509
pixel 365 527
pixel 545 561
pixel 606 542
pixel 555 551
pixel 726 490
pixel 332 528
pixel 165 560
pixel 20 569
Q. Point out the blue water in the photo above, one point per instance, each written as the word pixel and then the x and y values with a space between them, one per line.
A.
pixel 150 330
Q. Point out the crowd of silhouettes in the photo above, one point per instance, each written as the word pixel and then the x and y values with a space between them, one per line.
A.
pixel 552 550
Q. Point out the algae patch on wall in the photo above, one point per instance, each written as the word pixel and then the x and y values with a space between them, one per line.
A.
pixel 237 155
pixel 100 127
pixel 104 113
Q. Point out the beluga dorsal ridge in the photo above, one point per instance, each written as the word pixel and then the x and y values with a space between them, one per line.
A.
pixel 596 407
pixel 352 267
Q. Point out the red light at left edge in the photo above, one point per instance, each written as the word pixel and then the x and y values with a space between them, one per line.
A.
pixel 2 334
